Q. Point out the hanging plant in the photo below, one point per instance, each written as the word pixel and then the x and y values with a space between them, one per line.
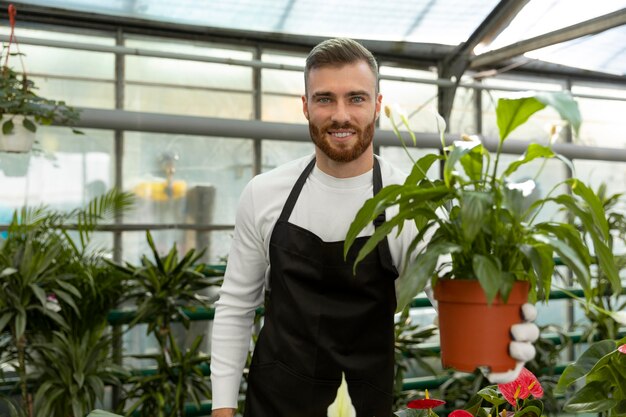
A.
pixel 21 109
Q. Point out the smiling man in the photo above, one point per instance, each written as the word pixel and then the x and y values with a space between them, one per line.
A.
pixel 321 319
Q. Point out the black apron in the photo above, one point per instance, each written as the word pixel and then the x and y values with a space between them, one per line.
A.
pixel 321 320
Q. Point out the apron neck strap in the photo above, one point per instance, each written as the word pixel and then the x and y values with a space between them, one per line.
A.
pixel 377 183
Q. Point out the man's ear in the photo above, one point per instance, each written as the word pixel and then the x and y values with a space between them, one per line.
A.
pixel 305 107
pixel 379 102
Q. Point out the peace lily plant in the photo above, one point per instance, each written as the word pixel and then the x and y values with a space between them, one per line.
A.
pixel 476 223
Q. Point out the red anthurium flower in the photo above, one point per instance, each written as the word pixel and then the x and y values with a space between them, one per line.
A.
pixel 460 413
pixel 525 384
pixel 622 349
pixel 425 403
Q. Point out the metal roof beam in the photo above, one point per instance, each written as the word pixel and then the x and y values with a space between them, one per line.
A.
pixel 589 27
pixel 456 63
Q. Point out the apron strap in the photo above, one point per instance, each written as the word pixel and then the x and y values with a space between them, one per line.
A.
pixel 297 188
pixel 295 192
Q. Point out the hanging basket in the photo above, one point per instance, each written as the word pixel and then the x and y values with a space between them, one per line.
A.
pixel 473 333
pixel 21 140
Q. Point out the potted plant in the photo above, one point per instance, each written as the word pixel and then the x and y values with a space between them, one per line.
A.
pixel 21 109
pixel 478 230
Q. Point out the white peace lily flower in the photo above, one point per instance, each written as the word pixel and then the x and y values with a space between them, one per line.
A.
pixel 619 316
pixel 441 123
pixel 526 187
pixel 342 406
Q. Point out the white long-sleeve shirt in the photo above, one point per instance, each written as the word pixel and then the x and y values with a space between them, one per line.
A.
pixel 326 207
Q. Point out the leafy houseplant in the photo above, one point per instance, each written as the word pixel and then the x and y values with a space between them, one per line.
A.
pixel 475 226
pixel 599 376
pixel 161 289
pixel 21 109
pixel 42 268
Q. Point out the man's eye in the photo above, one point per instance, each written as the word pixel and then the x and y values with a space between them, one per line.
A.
pixel 323 100
pixel 358 99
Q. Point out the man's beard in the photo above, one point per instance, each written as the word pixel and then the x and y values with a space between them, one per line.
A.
pixel 342 153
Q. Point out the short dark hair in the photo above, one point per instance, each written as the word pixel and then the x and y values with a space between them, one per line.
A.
pixel 338 52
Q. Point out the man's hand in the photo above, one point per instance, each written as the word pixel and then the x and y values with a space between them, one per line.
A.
pixel 521 348
pixel 223 412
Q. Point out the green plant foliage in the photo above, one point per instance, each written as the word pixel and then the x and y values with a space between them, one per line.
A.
pixel 178 378
pixel 43 274
pixel 599 380
pixel 18 97
pixel 410 354
pixel 161 288
pixel 74 372
pixel 478 224
pixel 601 294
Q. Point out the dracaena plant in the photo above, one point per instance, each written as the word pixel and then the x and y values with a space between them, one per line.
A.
pixel 476 223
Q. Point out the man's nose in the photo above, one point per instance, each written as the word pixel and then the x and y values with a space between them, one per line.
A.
pixel 341 113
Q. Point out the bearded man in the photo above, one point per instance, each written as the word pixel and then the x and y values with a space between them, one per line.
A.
pixel 321 320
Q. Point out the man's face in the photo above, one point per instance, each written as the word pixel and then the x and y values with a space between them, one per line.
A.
pixel 342 107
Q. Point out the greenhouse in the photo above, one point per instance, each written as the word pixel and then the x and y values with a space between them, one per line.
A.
pixel 293 208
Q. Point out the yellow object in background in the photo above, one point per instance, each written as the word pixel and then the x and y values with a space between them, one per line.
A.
pixel 161 191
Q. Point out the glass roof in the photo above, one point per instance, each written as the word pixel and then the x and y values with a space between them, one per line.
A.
pixel 448 22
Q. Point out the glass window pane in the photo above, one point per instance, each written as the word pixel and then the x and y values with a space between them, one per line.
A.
pixel 77 93
pixel 286 109
pixel 188 72
pixel 416 100
pixel 60 61
pixel 462 117
pixel 68 171
pixel 188 101
pixel 603 122
pixel 278 81
pixel 200 169
pixel 277 152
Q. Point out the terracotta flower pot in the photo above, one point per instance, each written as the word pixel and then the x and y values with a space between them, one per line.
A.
pixel 472 333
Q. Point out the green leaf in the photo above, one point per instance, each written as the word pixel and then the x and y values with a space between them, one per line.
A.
pixel 39 293
pixel 418 272
pixel 102 413
pixel 421 167
pixel 4 319
pixel 584 363
pixel 564 103
pixel 472 162
pixel 528 411
pixel 533 152
pixel 488 272
pixel 29 125
pixel 491 396
pixel 475 206
pixel 541 258
pixel 7 127
pixel 513 112
pixel 20 323
pixel 591 398
pixel 459 150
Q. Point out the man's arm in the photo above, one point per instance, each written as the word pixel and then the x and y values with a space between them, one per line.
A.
pixel 240 294
pixel 223 412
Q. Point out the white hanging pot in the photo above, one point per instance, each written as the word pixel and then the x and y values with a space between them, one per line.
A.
pixel 20 140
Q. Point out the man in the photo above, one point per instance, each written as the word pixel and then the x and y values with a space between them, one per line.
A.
pixel 321 320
